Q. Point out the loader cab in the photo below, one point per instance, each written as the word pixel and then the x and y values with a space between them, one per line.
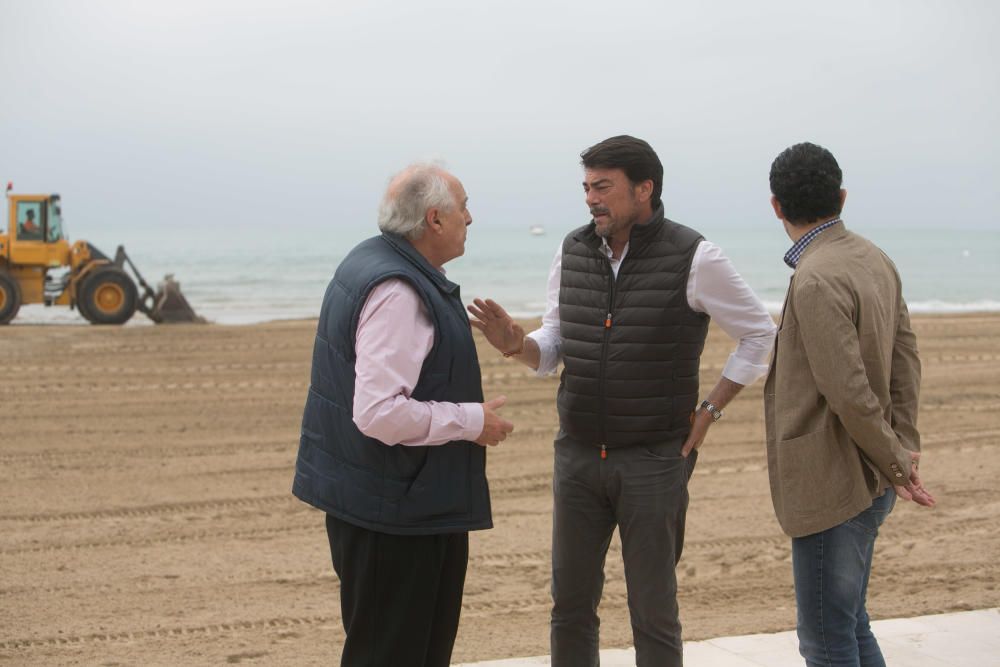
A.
pixel 36 231
pixel 38 220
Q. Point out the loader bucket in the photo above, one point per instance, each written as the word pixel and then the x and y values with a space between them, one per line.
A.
pixel 169 304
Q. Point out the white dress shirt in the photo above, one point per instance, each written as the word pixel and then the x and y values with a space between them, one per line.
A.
pixel 714 287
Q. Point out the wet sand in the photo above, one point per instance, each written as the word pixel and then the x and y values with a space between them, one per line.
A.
pixel 146 517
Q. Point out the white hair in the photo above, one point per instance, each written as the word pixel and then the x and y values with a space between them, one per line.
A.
pixel 410 194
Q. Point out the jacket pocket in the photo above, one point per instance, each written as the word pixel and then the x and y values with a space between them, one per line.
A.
pixel 817 472
pixel 440 491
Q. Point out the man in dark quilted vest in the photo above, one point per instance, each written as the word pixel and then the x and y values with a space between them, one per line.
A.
pixel 395 428
pixel 630 295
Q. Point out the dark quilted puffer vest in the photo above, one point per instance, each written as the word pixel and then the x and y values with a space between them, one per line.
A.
pixel 631 346
pixel 396 489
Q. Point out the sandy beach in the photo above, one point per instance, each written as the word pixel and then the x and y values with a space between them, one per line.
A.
pixel 146 516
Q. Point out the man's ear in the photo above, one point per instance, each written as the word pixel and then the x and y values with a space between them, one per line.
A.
pixel 776 205
pixel 645 191
pixel 843 198
pixel 431 219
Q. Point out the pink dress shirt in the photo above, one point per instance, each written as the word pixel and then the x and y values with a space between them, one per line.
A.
pixel 395 334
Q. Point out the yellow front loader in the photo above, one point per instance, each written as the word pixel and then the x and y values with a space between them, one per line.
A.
pixel 34 249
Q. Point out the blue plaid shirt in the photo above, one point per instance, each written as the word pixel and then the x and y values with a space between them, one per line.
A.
pixel 795 252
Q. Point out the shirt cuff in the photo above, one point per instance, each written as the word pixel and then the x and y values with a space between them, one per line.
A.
pixel 473 419
pixel 742 371
pixel 548 354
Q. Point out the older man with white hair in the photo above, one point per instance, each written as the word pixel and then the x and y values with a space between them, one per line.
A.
pixel 395 428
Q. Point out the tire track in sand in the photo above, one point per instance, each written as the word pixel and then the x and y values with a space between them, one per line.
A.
pixel 120 388
pixel 158 509
pixel 228 628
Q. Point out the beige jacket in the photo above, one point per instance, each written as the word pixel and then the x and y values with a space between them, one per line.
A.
pixel 840 401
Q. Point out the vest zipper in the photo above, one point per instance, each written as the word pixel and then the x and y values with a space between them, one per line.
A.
pixel 604 452
pixel 603 410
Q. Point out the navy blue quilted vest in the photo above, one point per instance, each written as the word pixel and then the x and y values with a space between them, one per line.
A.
pixel 396 489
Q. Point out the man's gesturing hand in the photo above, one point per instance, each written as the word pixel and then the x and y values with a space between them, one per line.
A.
pixel 500 329
pixel 495 427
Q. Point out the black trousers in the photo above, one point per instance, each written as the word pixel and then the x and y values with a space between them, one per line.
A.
pixel 400 595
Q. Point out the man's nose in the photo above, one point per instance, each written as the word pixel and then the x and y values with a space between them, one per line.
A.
pixel 592 198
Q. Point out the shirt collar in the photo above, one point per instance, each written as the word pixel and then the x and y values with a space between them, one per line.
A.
pixel 436 274
pixel 795 252
pixel 610 253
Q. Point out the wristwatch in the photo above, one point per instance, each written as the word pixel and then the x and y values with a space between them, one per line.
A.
pixel 712 410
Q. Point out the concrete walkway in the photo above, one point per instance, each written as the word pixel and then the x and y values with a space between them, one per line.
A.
pixel 964 639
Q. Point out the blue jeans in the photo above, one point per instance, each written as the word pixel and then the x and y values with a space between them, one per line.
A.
pixel 831 571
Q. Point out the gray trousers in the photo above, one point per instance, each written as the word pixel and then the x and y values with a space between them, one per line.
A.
pixel 642 490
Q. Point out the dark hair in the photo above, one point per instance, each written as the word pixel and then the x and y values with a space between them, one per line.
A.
pixel 633 156
pixel 806 181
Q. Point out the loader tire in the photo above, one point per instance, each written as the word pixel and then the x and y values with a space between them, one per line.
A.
pixel 10 297
pixel 81 307
pixel 108 297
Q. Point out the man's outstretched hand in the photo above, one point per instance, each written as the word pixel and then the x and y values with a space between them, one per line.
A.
pixel 495 428
pixel 500 329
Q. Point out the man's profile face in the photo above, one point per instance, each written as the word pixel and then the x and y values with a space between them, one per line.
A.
pixel 612 199
pixel 455 221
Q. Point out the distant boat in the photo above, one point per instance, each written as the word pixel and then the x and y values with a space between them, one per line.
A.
pixel 537 230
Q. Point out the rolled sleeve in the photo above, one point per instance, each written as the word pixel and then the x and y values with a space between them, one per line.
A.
pixel 717 289
pixel 549 336
pixel 743 372
pixel 550 351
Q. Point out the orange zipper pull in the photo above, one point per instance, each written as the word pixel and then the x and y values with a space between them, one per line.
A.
pixel 604 452
pixel 607 322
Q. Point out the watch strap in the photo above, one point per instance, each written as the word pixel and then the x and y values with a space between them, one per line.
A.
pixel 712 410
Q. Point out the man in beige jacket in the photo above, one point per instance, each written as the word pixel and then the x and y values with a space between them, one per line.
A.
pixel 840 407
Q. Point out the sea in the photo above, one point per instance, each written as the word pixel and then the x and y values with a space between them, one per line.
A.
pixel 259 275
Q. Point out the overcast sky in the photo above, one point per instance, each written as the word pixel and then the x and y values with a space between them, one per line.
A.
pixel 182 114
